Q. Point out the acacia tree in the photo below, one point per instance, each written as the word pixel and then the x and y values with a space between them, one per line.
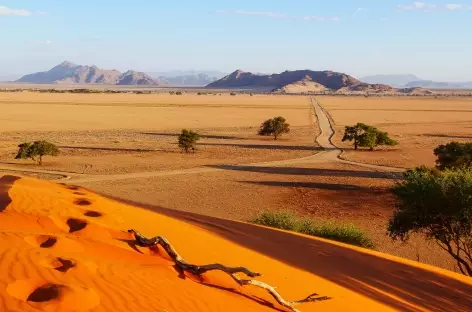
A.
pixel 453 155
pixel 36 151
pixel 276 126
pixel 373 138
pixel 367 136
pixel 438 205
pixel 354 133
pixel 188 140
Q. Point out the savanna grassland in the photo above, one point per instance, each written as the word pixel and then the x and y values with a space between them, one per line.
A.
pixel 127 140
pixel 420 124
pixel 123 133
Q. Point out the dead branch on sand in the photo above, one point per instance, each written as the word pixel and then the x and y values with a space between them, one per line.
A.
pixel 198 270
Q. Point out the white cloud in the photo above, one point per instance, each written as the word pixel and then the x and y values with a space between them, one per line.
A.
pixel 426 7
pixel 357 11
pixel 5 11
pixel 47 42
pixel 277 15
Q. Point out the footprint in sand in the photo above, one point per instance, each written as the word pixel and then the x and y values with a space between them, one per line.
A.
pixel 83 202
pixel 49 296
pixel 65 265
pixel 76 225
pixel 93 214
pixel 53 242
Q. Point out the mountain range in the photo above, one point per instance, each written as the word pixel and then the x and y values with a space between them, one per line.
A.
pixel 70 73
pixel 412 81
pixel 301 80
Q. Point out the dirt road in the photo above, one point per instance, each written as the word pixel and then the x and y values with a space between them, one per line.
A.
pixel 329 153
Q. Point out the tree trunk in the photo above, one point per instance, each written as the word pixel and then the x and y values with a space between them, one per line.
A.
pixel 356 144
pixel 371 149
pixel 40 160
pixel 275 136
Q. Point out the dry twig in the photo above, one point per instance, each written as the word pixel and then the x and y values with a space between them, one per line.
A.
pixel 184 266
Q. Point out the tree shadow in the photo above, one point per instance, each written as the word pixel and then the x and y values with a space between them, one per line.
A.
pixel 264 146
pixel 203 136
pixel 313 185
pixel 398 285
pixel 311 171
pixel 437 135
pixel 6 182
pixel 113 149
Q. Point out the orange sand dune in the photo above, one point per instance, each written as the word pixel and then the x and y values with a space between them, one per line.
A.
pixel 63 248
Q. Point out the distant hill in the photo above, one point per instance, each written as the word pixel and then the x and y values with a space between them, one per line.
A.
pixel 188 78
pixel 439 85
pixel 69 73
pixel 323 79
pixel 397 81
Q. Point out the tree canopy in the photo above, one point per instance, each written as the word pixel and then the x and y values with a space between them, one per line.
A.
pixel 453 155
pixel 276 126
pixel 188 140
pixel 437 204
pixel 36 151
pixel 367 136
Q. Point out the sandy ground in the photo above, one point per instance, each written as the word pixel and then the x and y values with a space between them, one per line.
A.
pixel 419 124
pixel 334 192
pixel 65 248
pixel 112 134
pixel 126 141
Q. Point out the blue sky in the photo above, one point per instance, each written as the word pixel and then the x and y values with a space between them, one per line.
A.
pixel 359 37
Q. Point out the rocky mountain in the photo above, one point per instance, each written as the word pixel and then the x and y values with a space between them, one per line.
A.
pixel 396 81
pixel 328 79
pixel 197 80
pixel 136 78
pixel 69 73
pixel 188 78
pixel 439 85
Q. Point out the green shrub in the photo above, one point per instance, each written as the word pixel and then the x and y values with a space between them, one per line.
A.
pixel 276 126
pixel 438 205
pixel 188 140
pixel 286 220
pixel 453 155
pixel 36 151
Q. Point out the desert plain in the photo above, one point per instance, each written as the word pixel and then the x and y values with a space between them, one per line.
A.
pixel 124 146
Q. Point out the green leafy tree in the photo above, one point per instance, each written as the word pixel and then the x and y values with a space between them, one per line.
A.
pixel 36 151
pixel 188 140
pixel 354 133
pixel 276 126
pixel 453 155
pixel 437 204
pixel 367 136
pixel 373 138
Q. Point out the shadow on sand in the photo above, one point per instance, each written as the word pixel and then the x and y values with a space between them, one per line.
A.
pixel 203 136
pixel 400 286
pixel 310 171
pixel 6 182
pixel 437 135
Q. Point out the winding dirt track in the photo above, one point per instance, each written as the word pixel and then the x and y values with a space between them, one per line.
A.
pixel 330 153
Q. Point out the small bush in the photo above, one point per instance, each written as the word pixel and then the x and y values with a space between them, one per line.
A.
pixel 188 140
pixel 286 220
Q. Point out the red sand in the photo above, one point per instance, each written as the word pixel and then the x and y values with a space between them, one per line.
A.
pixel 67 249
